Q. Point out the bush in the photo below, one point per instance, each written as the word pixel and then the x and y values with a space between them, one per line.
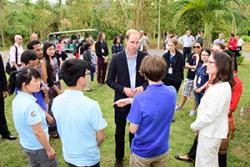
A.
pixel 240 59
pixel 245 38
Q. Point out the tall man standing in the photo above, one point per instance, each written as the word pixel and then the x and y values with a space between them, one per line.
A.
pixel 187 41
pixel 124 78
pixel 16 51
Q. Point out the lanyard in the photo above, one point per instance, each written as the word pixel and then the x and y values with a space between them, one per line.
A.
pixel 172 59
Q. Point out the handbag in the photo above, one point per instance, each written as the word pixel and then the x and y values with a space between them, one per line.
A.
pixel 8 67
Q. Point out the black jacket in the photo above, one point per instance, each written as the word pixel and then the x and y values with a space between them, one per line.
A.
pixel 178 67
pixel 118 75
pixel 98 49
pixel 3 81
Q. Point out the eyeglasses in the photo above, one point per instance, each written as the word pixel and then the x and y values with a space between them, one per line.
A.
pixel 198 47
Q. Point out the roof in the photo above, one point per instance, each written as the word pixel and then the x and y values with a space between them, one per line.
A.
pixel 71 31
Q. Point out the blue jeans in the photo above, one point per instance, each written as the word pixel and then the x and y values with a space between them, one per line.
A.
pixel 198 97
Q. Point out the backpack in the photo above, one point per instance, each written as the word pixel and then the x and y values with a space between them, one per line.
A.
pixel 8 67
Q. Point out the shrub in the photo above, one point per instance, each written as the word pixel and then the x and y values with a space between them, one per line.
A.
pixel 240 59
pixel 245 38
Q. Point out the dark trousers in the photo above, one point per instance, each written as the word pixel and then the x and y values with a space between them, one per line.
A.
pixel 92 72
pixel 4 131
pixel 234 57
pixel 176 85
pixel 192 151
pixel 120 122
pixel 198 97
pixel 39 158
pixel 71 165
pixel 186 52
pixel 101 71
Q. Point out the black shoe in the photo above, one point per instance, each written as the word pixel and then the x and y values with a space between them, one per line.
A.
pixel 183 158
pixel 9 137
pixel 118 163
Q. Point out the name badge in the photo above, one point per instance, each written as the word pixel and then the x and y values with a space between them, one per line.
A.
pixel 170 70
pixel 199 80
pixel 57 77
pixel 102 50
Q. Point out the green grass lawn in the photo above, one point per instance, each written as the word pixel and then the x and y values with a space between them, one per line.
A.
pixel 181 136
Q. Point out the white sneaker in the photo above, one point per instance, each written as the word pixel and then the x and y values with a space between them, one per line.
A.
pixel 192 113
pixel 178 108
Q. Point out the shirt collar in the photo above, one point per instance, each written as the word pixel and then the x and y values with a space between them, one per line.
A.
pixel 130 57
pixel 78 92
pixel 17 45
pixel 27 95
pixel 154 85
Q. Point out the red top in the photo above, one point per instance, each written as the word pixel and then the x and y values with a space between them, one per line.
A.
pixel 232 43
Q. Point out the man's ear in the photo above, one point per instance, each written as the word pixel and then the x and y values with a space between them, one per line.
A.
pixel 81 81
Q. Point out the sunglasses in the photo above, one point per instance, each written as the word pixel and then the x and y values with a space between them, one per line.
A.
pixel 196 47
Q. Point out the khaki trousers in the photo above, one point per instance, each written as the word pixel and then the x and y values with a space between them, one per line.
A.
pixel 158 161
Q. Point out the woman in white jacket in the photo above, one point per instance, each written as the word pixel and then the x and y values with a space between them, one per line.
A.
pixel 212 119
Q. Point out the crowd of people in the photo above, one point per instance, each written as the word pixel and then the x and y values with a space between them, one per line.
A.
pixel 145 90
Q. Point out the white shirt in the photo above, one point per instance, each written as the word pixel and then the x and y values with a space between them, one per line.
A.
pixel 212 115
pixel 222 41
pixel 187 41
pixel 240 42
pixel 12 53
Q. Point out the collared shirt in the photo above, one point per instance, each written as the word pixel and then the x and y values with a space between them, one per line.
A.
pixel 132 69
pixel 222 41
pixel 78 118
pixel 26 113
pixel 240 42
pixel 187 41
pixel 12 53
pixel 153 116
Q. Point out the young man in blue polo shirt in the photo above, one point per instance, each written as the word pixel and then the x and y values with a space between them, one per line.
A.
pixel 150 116
pixel 79 119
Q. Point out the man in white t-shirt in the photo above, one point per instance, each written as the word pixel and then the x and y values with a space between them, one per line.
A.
pixel 187 41
pixel 240 43
pixel 16 51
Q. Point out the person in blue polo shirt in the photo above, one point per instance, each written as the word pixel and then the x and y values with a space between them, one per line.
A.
pixel 151 115
pixel 78 118
pixel 29 119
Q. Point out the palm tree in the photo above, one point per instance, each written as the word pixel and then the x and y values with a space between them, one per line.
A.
pixel 209 11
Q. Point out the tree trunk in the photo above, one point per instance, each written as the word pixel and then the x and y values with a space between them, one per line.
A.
pixel 208 35
pixel 159 25
pixel 2 37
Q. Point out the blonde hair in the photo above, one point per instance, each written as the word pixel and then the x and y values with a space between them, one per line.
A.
pixel 131 31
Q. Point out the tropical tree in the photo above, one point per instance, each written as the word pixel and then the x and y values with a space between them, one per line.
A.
pixel 210 12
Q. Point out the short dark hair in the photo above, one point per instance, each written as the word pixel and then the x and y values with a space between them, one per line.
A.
pixel 221 45
pixel 31 44
pixel 115 40
pixel 198 43
pixel 207 50
pixel 153 68
pixel 25 75
pixel 223 63
pixel 27 56
pixel 72 70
